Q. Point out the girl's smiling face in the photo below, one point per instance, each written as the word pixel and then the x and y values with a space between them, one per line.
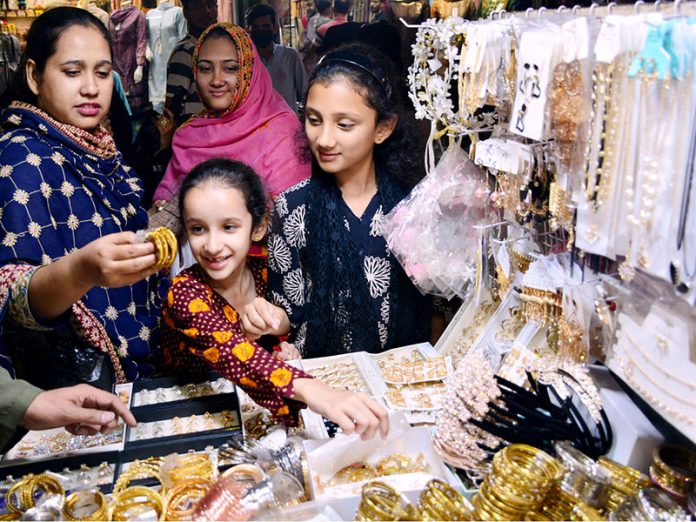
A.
pixel 342 129
pixel 219 229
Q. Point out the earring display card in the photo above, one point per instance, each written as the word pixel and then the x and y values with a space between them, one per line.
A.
pixel 466 327
pixel 534 64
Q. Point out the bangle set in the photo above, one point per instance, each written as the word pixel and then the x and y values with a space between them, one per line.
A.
pixel 86 505
pixel 22 495
pixel 382 502
pixel 674 470
pixel 182 499
pixel 520 479
pixel 137 503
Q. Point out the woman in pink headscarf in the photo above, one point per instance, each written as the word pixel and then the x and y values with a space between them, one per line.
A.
pixel 245 120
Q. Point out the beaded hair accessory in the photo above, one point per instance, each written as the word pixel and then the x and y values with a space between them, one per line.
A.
pixel 245 58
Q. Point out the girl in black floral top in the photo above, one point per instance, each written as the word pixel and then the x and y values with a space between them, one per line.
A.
pixel 330 267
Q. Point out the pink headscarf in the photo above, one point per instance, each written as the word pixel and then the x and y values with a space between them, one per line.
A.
pixel 260 130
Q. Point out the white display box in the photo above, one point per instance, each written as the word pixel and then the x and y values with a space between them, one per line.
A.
pixel 325 458
pixel 367 369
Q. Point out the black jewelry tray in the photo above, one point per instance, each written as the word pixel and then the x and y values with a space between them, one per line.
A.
pixel 157 447
pixel 168 382
pixel 58 464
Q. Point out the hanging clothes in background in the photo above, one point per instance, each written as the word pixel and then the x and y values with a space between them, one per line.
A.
pixel 128 28
pixel 10 53
pixel 166 26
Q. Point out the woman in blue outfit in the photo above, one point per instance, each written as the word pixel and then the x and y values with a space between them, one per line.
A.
pixel 69 207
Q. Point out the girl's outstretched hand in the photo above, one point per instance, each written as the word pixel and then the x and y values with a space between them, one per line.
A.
pixel 353 412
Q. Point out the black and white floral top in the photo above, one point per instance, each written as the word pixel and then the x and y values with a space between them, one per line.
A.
pixel 291 285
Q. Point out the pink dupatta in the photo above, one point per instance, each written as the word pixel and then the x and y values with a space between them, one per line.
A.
pixel 260 131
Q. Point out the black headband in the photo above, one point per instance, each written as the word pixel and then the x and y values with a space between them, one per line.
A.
pixel 357 60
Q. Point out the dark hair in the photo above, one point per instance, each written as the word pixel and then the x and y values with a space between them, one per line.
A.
pixel 218 32
pixel 372 76
pixel 42 41
pixel 342 6
pixel 259 11
pixel 322 5
pixel 229 174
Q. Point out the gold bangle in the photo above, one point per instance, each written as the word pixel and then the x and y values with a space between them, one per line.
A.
pixel 136 497
pixel 245 471
pixel 26 488
pixel 189 490
pixel 150 467
pixel 677 468
pixel 101 513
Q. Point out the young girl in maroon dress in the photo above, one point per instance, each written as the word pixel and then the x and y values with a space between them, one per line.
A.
pixel 215 311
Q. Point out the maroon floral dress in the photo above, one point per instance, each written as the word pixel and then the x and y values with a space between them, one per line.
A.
pixel 202 332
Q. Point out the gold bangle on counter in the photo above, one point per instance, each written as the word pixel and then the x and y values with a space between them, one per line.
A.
pixel 133 502
pixel 25 489
pixel 439 501
pixel 674 469
pixel 245 472
pixel 147 468
pixel 382 502
pixel 75 504
pixel 182 499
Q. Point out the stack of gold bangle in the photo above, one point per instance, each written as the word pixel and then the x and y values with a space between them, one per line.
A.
pixel 650 504
pixel 139 469
pixel 76 502
pixel 674 470
pixel 137 503
pixel 439 501
pixel 626 482
pixel 189 466
pixel 182 499
pixel 20 497
pixel 381 502
pixel 165 246
pixel 585 480
pixel 519 481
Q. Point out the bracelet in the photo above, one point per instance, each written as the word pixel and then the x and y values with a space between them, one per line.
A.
pixel 150 467
pixel 76 501
pixel 674 469
pixel 182 499
pixel 134 502
pixel 245 472
pixel 381 502
pixel 26 488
